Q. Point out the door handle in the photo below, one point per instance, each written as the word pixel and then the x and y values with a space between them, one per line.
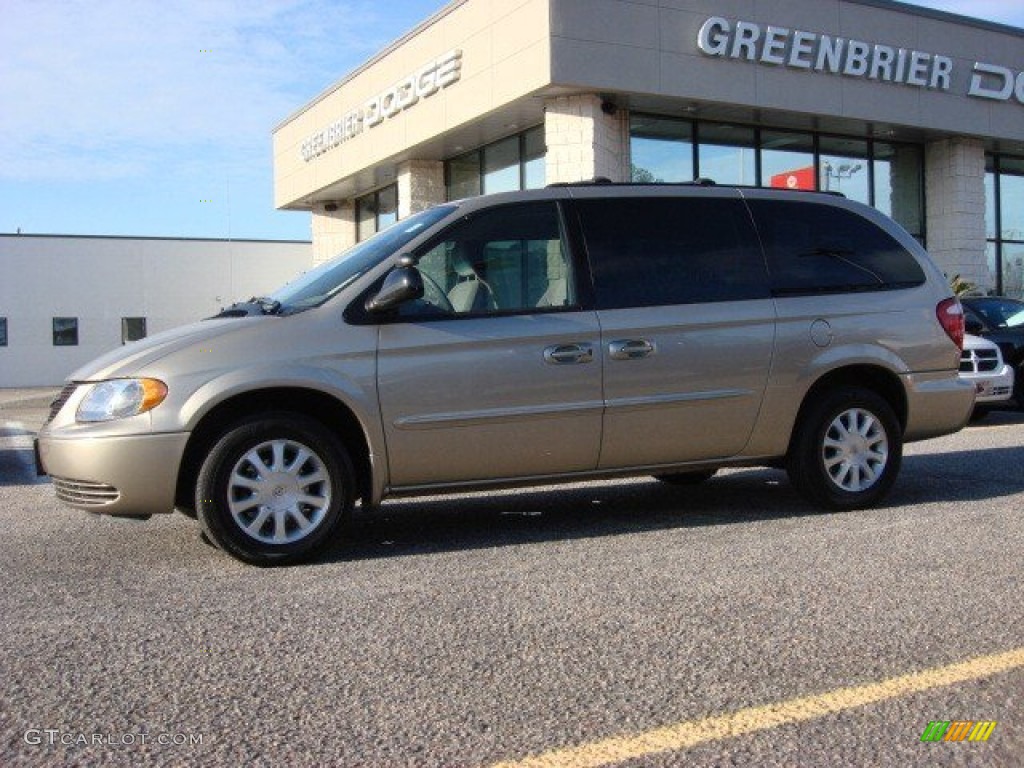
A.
pixel 630 349
pixel 567 354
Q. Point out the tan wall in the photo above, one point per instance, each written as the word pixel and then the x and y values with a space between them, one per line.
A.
pixel 505 54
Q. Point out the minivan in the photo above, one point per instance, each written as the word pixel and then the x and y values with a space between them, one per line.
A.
pixel 580 331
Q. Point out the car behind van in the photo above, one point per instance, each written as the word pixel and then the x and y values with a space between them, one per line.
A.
pixel 581 331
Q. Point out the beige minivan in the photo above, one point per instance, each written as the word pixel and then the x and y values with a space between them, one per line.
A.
pixel 580 331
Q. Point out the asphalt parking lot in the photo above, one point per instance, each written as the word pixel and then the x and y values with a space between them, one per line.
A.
pixel 722 625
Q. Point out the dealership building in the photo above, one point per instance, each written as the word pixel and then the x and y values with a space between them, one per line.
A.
pixel 916 112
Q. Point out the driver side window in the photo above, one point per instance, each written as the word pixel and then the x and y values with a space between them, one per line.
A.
pixel 512 258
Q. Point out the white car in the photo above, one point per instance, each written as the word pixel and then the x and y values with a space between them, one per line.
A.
pixel 982 364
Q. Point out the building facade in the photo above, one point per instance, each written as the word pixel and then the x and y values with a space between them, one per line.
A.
pixel 73 298
pixel 916 112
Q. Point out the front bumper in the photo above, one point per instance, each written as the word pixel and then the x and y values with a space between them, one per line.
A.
pixel 132 476
pixel 992 387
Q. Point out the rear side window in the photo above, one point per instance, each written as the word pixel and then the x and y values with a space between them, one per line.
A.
pixel 823 249
pixel 659 251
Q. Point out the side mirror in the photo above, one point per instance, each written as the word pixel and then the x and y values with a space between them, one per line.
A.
pixel 972 326
pixel 403 283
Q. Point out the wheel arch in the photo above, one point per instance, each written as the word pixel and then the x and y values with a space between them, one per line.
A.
pixel 318 405
pixel 874 377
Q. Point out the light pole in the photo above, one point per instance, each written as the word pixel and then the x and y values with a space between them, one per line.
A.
pixel 844 171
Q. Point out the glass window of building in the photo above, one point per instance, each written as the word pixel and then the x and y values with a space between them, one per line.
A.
pixel 534 164
pixel 513 163
pixel 726 154
pixel 661 148
pixel 843 167
pixel 464 176
pixel 899 184
pixel 787 160
pixel 65 331
pixel 887 175
pixel 1004 224
pixel 501 166
pixel 376 211
pixel 132 329
pixel 3 331
pixel 366 217
pixel 387 207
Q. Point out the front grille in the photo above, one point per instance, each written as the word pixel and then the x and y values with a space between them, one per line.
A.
pixel 988 360
pixel 979 361
pixel 84 493
pixel 62 398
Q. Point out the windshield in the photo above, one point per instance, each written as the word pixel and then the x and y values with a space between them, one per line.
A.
pixel 313 288
pixel 1000 313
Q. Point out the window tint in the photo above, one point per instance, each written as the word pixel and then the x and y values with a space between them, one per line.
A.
pixel 3 331
pixel 824 249
pixel 506 259
pixel 132 329
pixel 65 331
pixel 657 251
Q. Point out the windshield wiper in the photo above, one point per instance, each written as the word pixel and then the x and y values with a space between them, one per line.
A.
pixel 268 305
pixel 257 305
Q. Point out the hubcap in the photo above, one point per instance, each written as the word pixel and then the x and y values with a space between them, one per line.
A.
pixel 855 450
pixel 279 492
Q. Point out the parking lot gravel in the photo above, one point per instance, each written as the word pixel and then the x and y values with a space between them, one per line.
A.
pixel 466 631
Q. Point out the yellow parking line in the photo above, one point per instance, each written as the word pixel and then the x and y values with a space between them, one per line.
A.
pixel 689 734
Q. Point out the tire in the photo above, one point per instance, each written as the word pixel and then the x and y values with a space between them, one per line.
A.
pixel 687 478
pixel 837 469
pixel 258 503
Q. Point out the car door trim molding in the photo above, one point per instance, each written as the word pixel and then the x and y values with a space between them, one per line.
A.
pixel 626 404
pixel 496 416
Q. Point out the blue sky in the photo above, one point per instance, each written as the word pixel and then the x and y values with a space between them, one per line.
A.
pixel 130 117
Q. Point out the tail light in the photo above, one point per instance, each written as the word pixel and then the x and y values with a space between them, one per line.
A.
pixel 951 318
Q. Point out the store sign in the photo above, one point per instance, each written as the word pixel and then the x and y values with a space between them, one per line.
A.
pixel 801 178
pixel 796 49
pixel 403 95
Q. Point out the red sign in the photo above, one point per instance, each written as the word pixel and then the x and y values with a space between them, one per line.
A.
pixel 801 178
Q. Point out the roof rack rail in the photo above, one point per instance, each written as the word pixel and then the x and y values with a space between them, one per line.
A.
pixel 604 181
pixel 700 181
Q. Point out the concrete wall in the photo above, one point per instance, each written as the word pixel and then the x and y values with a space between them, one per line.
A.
pixel 99 280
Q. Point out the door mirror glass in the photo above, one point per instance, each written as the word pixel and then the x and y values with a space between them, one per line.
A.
pixel 404 283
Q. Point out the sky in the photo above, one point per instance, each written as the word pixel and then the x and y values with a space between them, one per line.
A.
pixel 136 117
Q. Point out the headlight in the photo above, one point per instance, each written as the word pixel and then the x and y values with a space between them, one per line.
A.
pixel 120 398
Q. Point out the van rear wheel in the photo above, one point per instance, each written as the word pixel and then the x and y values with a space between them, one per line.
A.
pixel 274 489
pixel 847 449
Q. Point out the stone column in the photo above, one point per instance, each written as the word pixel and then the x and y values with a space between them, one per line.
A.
pixel 420 185
pixel 955 190
pixel 585 141
pixel 333 231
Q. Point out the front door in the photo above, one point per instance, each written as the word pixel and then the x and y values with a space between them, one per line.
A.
pixel 496 372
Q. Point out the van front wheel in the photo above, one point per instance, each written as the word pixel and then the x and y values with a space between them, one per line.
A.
pixel 274 489
pixel 847 450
